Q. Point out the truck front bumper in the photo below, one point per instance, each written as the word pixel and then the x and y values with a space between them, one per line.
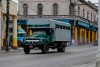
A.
pixel 33 45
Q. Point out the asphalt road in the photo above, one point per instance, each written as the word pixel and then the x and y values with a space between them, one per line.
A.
pixel 72 56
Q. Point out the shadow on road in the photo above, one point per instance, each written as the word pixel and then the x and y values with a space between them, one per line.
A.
pixel 47 53
pixel 50 52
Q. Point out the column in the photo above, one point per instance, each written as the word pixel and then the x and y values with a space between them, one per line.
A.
pixel 75 34
pixel 88 36
pixel 81 36
pixel 85 36
pixel 93 36
pixel 96 35
pixel 15 46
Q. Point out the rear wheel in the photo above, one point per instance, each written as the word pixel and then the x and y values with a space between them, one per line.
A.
pixel 45 48
pixel 61 48
pixel 26 50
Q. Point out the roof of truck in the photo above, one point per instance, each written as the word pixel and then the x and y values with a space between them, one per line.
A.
pixel 21 31
pixel 43 21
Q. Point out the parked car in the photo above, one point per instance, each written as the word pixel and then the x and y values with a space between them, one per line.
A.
pixel 20 36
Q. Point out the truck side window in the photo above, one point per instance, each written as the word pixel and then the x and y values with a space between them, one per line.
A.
pixel 63 27
pixel 68 28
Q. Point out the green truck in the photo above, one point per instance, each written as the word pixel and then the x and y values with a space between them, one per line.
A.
pixel 47 34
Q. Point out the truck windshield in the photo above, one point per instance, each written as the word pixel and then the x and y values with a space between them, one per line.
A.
pixel 21 35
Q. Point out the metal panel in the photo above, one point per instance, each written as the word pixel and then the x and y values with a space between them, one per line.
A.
pixel 62 35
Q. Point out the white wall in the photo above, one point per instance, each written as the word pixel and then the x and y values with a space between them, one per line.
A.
pixel 63 7
pixel 13 7
pixel 47 6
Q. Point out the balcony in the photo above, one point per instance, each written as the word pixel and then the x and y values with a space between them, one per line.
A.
pixel 46 16
pixel 70 17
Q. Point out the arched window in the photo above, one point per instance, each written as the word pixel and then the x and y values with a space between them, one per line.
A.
pixel 91 16
pixel 83 12
pixel 87 14
pixel 55 9
pixel 78 10
pixel 25 9
pixel 94 17
pixel 40 9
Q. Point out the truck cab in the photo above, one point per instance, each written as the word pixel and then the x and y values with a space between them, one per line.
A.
pixel 38 37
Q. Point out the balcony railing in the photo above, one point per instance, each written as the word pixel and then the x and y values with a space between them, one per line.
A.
pixel 71 17
pixel 46 16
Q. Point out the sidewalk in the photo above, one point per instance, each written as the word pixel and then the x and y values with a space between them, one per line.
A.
pixel 11 50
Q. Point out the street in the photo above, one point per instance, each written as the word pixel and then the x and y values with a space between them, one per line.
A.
pixel 74 55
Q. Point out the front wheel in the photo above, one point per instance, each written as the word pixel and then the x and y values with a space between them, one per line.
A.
pixel 61 48
pixel 45 48
pixel 26 50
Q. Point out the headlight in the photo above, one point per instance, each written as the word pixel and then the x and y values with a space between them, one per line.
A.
pixel 40 40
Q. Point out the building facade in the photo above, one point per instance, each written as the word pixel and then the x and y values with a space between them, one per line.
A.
pixel 81 14
pixel 12 23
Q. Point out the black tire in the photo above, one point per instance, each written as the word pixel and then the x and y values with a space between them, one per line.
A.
pixel 45 48
pixel 61 48
pixel 26 50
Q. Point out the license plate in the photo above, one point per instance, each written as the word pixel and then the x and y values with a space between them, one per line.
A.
pixel 31 46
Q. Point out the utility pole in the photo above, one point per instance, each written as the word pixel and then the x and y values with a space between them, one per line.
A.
pixel 7 26
pixel 0 25
pixel 98 55
pixel 71 24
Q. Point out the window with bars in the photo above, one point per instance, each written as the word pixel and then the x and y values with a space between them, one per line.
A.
pixel 87 14
pixel 78 10
pixel 91 16
pixel 83 12
pixel 40 9
pixel 55 9
pixel 25 9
